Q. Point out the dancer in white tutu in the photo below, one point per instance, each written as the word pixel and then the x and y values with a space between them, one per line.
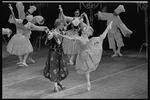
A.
pixel 19 44
pixel 71 47
pixel 91 50
pixel 32 20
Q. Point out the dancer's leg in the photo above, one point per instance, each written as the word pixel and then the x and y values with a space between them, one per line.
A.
pixel 60 84
pixel 21 59
pixel 118 51
pixel 25 58
pixel 115 52
pixel 71 59
pixel 56 87
pixel 30 57
pixel 88 81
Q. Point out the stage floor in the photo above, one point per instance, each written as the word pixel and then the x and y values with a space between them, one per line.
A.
pixel 118 77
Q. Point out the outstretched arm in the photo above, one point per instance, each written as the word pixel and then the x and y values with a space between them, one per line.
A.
pixel 103 16
pixel 35 27
pixel 102 36
pixel 125 31
pixel 68 37
pixel 87 20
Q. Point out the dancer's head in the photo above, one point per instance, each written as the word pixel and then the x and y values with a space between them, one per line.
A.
pixel 58 24
pixel 77 13
pixel 86 30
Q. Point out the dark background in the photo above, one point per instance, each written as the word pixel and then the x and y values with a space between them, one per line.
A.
pixel 132 18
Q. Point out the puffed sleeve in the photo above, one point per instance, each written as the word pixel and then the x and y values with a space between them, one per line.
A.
pixel 20 8
pixel 125 31
pixel 14 20
pixel 104 16
pixel 35 27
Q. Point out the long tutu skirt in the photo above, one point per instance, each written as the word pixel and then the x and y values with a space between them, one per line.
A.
pixel 19 45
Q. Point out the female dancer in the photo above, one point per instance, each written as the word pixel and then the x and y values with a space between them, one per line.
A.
pixel 71 47
pixel 19 44
pixel 31 21
pixel 114 34
pixel 91 50
pixel 55 69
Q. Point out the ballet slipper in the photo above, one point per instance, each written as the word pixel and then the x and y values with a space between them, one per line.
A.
pixel 88 86
pixel 19 63
pixel 114 55
pixel 24 64
pixel 31 60
pixel 61 86
pixel 119 54
pixel 70 63
pixel 56 89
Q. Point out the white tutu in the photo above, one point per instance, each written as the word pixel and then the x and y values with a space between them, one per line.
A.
pixel 19 45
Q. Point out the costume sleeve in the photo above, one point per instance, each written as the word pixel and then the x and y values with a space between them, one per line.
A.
pixel 5 31
pixel 12 20
pixel 104 16
pixel 123 28
pixel 37 28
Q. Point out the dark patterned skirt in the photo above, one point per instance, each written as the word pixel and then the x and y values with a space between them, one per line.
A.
pixel 55 68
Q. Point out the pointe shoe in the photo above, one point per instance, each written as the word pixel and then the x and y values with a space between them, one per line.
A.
pixel 119 54
pixel 31 60
pixel 56 89
pixel 89 87
pixel 114 55
pixel 71 63
pixel 24 64
pixel 61 86
pixel 19 63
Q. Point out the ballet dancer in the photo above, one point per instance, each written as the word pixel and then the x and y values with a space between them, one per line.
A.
pixel 55 68
pixel 91 50
pixel 114 34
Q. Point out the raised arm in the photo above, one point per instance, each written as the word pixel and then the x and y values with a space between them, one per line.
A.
pixel 31 26
pixel 125 31
pixel 12 18
pixel 103 15
pixel 103 35
pixel 66 18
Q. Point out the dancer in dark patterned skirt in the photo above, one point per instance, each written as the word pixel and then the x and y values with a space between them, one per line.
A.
pixel 55 69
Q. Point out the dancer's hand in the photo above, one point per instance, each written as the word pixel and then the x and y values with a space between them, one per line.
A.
pixel 96 14
pixel 60 7
pixel 9 33
pixel 45 29
pixel 10 7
